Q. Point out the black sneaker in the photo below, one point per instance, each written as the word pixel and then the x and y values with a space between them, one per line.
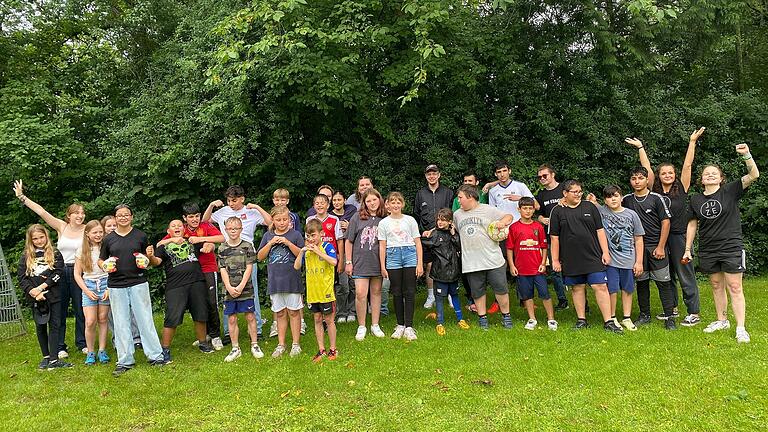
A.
pixel 643 319
pixel 167 356
pixel 138 346
pixel 120 370
pixel 226 340
pixel 562 305
pixel 205 348
pixel 158 362
pixel 43 364
pixel 581 324
pixel 669 324
pixel 612 327
pixel 59 364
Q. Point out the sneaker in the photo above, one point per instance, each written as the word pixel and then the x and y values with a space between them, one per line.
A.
pixel 376 331
pixel 256 351
pixel 197 342
pixel 84 350
pixel 628 324
pixel 63 354
pixel 506 321
pixel 233 355
pixel 90 359
pixel 410 334
pixel 398 333
pixel 741 335
pixel 494 308
pixel 295 350
pixel 430 303
pixel 332 354
pixel 317 358
pixel 120 370
pixel 103 357
pixel 279 350
pixel 217 344
pixel 440 330
pixel 226 340
pixel 643 319
pixel 531 324
pixel 138 346
pixel 669 324
pixel 616 321
pixel 483 322
pixel 59 364
pixel 158 362
pixel 205 348
pixel 690 320
pixel 552 325
pixel 717 325
pixel 675 313
pixel 43 365
pixel 167 355
pixel 561 305
pixel 273 329
pixel 351 318
pixel 361 331
pixel 612 327
pixel 304 326
pixel 339 320
pixel 431 316
pixel 463 325
pixel 661 317
pixel 581 324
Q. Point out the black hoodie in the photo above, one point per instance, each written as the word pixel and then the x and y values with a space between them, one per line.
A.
pixel 446 265
pixel 42 274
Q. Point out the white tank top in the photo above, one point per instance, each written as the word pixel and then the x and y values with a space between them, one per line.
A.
pixel 68 247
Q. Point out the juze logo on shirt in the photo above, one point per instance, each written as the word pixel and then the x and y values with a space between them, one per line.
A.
pixel 711 209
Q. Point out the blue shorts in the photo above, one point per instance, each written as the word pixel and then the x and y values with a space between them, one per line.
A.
pixel 232 307
pixel 401 257
pixel 98 287
pixel 526 284
pixel 595 278
pixel 619 278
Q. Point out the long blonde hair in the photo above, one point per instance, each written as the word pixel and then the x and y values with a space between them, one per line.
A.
pixel 86 250
pixel 29 248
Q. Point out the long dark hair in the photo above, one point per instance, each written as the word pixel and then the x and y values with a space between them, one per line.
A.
pixel 674 190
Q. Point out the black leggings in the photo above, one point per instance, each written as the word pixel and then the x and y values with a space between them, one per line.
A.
pixel 48 334
pixel 403 287
pixel 666 295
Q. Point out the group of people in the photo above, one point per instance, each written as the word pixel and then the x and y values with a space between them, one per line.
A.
pixel 349 249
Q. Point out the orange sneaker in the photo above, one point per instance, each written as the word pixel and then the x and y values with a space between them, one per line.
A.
pixel 319 356
pixel 332 354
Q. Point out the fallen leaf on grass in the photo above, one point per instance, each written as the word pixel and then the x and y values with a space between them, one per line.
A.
pixel 349 365
pixel 284 394
pixel 438 370
pixel 25 361
pixel 327 394
pixel 299 409
pixel 13 375
pixel 104 393
pixel 441 385
pixel 351 383
pixel 485 382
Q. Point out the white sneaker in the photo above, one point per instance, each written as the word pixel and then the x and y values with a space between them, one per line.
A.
pixel 233 355
pixel 410 334
pixel 273 329
pixel 398 333
pixel 741 335
pixel 196 343
pixel 279 350
pixel 256 351
pixel 63 354
pixel 616 321
pixel 351 318
pixel 84 350
pixel 303 327
pixel 717 325
pixel 552 325
pixel 430 303
pixel 217 344
pixel 376 331
pixel 361 331
pixel 341 319
pixel 531 324
pixel 295 350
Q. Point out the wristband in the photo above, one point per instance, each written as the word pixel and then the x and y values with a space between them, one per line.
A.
pixel 746 156
pixel 347 262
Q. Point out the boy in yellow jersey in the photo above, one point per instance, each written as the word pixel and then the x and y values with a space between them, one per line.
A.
pixel 320 260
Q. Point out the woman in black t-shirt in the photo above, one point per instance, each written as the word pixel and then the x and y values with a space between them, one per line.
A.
pixel 721 248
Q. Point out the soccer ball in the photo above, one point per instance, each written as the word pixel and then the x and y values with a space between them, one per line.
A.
pixel 497 232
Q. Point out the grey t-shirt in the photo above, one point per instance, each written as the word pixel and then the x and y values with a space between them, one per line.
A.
pixel 478 251
pixel 621 229
pixel 363 234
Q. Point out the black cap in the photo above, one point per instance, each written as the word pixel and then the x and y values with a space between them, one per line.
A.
pixel 431 167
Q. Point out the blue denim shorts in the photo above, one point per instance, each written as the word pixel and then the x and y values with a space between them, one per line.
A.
pixel 401 257
pixel 99 287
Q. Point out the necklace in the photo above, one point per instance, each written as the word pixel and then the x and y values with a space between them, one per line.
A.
pixel 644 198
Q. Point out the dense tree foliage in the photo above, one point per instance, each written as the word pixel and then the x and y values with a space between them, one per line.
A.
pixel 157 102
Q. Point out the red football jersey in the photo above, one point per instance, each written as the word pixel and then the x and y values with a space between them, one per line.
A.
pixel 527 241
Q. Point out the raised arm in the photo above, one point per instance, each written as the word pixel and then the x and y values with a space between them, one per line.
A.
pixel 685 173
pixel 54 222
pixel 753 173
pixel 209 210
pixel 644 161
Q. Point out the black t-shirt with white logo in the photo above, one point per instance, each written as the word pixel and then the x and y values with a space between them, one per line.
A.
pixel 548 199
pixel 123 247
pixel 719 218
pixel 678 208
pixel 576 229
pixel 652 211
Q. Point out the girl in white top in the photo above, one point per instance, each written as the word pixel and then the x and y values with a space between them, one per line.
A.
pixel 70 234
pixel 401 262
pixel 92 280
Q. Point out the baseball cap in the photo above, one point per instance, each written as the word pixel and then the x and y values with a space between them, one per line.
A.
pixel 431 167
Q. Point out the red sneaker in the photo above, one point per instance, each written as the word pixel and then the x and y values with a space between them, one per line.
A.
pixel 494 308
pixel 319 356
pixel 332 354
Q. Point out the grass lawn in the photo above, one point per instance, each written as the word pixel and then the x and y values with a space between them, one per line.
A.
pixel 467 380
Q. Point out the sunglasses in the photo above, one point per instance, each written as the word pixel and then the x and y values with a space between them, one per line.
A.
pixel 543 176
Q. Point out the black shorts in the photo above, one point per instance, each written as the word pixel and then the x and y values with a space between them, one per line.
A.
pixel 732 262
pixel 654 269
pixel 323 308
pixel 178 299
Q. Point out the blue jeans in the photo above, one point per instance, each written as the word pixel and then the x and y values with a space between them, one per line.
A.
pixel 257 303
pixel 134 299
pixel 69 289
pixel 401 257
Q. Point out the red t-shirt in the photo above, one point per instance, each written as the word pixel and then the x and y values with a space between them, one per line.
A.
pixel 207 260
pixel 331 229
pixel 527 241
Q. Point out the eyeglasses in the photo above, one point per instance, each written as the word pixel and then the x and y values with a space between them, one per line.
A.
pixel 576 192
pixel 543 176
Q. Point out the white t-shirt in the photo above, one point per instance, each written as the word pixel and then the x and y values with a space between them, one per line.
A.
pixel 96 272
pixel 399 232
pixel 497 193
pixel 478 251
pixel 250 218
